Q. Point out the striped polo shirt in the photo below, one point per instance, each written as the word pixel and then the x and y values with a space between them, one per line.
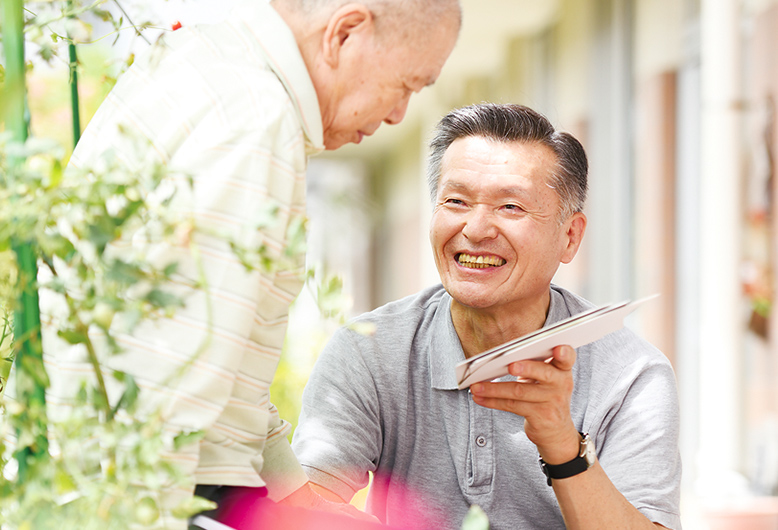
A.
pixel 232 113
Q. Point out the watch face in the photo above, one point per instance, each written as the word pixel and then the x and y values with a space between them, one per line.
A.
pixel 587 450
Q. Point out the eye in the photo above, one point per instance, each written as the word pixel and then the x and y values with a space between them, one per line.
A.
pixel 453 201
pixel 512 210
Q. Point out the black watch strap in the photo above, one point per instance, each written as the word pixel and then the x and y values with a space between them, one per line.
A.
pixel 577 465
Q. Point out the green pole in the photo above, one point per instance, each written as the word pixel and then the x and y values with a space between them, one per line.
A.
pixel 74 88
pixel 27 343
pixel 74 93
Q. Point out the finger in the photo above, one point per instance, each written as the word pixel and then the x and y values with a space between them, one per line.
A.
pixel 546 415
pixel 512 391
pixel 508 405
pixel 543 372
pixel 564 357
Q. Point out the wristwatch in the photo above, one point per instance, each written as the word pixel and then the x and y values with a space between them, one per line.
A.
pixel 579 464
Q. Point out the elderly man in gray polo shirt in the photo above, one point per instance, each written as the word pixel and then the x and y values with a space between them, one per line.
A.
pixel 508 192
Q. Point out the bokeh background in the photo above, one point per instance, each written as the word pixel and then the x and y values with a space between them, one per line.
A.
pixel 674 101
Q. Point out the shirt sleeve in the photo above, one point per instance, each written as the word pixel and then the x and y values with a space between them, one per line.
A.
pixel 338 437
pixel 637 440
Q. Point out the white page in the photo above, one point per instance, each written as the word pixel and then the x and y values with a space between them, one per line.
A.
pixel 575 331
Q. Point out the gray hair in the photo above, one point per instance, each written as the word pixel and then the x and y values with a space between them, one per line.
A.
pixel 515 123
pixel 411 17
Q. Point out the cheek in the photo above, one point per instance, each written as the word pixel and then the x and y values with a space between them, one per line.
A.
pixel 442 229
pixel 436 240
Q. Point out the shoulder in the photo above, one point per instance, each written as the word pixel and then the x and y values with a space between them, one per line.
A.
pixel 574 303
pixel 629 345
pixel 406 311
pixel 394 326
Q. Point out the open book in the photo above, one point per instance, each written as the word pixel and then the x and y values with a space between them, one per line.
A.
pixel 576 331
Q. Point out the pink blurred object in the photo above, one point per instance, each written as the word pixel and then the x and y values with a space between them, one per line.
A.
pixel 760 513
pixel 245 509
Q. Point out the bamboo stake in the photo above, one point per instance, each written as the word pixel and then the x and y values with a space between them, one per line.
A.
pixel 27 343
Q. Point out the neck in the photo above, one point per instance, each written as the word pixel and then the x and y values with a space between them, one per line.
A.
pixel 306 28
pixel 482 329
pixel 308 31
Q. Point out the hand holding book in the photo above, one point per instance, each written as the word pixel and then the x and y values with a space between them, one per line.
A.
pixel 576 331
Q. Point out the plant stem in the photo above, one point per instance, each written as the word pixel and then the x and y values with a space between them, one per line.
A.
pixel 127 16
pixel 27 314
pixel 93 360
pixel 74 93
pixel 74 107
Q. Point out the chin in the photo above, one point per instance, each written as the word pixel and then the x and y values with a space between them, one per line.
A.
pixel 472 298
pixel 331 145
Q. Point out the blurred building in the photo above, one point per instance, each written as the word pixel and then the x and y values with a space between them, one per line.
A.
pixel 675 103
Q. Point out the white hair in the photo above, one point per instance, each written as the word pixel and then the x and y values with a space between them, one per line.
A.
pixel 406 15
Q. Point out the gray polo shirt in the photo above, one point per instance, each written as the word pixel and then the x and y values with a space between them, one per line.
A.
pixel 388 403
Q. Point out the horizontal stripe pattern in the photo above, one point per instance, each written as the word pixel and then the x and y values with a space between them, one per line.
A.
pixel 210 104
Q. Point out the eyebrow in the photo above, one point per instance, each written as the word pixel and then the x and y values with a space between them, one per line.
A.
pixel 510 191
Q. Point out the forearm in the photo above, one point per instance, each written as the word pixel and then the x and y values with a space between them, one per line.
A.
pixel 327 494
pixel 589 500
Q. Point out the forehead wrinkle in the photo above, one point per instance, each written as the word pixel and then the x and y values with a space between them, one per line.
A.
pixel 505 191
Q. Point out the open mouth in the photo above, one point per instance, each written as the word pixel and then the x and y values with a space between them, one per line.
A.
pixel 479 262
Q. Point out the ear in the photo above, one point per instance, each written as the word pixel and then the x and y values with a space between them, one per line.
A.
pixel 574 228
pixel 346 24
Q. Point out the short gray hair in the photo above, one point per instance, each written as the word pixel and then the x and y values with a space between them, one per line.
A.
pixel 411 17
pixel 515 123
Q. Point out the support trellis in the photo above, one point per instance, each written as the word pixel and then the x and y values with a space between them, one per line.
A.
pixel 27 341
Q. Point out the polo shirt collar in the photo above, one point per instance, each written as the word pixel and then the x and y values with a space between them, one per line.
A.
pixel 446 349
pixel 558 309
pixel 280 49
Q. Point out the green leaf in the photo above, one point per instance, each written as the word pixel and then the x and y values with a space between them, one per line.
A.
pixel 122 272
pixel 102 14
pixel 187 438
pixel 130 394
pixel 296 236
pixel 170 269
pixel 63 482
pixel 162 299
pixel 475 519
pixel 192 506
pixel 72 336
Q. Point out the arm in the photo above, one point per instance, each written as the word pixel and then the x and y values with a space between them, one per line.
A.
pixel 314 497
pixel 327 494
pixel 338 437
pixel 588 500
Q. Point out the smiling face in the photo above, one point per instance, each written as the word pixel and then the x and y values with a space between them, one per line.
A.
pixel 375 78
pixel 496 233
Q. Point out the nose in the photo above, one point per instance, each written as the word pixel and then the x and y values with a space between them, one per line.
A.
pixel 479 225
pixel 398 112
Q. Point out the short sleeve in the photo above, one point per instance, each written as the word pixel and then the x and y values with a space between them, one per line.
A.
pixel 338 439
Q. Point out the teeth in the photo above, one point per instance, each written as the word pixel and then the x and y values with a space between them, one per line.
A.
pixel 479 262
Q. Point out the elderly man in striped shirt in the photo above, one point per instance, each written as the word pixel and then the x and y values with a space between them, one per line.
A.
pixel 234 109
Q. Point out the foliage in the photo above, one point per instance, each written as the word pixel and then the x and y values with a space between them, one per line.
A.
pixel 100 465
pixel 475 519
pixel 104 466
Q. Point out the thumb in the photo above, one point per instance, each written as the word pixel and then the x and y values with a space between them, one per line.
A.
pixel 563 357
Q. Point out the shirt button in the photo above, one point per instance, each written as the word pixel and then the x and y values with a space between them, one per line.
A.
pixel 480 441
